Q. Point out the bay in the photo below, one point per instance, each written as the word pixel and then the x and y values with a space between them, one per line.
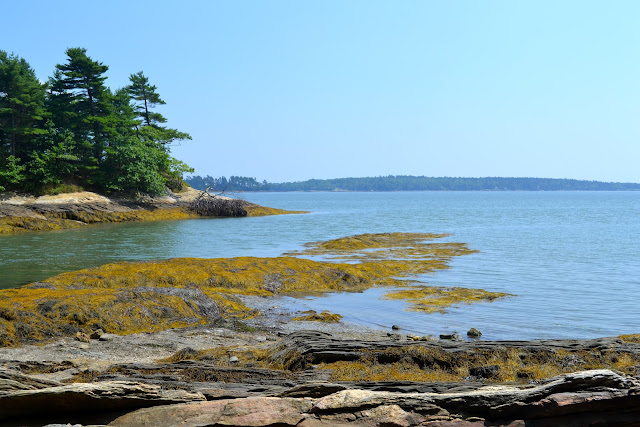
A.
pixel 572 259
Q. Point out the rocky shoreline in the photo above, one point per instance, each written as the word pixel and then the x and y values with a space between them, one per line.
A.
pixel 268 375
pixel 71 210
pixel 185 342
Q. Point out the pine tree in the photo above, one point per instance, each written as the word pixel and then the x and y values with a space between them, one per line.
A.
pixel 146 98
pixel 81 103
pixel 21 107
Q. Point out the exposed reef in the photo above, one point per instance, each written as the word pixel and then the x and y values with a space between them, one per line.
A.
pixel 129 297
pixel 22 213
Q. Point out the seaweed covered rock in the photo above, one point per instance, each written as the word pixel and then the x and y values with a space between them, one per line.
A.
pixel 129 297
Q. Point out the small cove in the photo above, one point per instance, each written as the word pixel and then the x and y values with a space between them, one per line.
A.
pixel 571 258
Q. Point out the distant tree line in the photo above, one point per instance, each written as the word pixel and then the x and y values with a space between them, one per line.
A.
pixel 73 131
pixel 412 183
pixel 222 184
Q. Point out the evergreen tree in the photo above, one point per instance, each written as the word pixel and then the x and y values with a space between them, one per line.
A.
pixel 131 164
pixel 21 116
pixel 81 103
pixel 146 98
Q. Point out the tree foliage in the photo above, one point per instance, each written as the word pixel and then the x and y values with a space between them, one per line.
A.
pixel 410 183
pixel 76 130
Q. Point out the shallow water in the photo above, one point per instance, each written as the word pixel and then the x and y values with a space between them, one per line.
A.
pixel 571 258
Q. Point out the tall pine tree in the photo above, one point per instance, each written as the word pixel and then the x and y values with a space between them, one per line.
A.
pixel 21 117
pixel 145 99
pixel 81 103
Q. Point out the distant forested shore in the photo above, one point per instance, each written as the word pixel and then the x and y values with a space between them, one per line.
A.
pixel 408 183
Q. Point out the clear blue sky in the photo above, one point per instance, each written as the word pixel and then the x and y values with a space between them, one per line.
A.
pixel 292 90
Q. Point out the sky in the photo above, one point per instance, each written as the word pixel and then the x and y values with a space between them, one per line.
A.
pixel 293 90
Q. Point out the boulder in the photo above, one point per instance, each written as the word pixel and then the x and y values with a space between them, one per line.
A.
pixel 252 411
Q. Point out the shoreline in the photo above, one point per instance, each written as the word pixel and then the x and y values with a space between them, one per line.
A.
pixel 279 373
pixel 20 214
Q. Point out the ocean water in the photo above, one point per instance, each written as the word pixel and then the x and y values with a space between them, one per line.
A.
pixel 571 259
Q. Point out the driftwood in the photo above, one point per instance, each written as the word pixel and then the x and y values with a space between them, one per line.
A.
pixel 207 204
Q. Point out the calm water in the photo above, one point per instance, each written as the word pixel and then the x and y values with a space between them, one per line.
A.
pixel 571 258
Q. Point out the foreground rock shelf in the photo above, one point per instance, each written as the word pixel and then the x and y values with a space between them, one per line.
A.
pixel 211 387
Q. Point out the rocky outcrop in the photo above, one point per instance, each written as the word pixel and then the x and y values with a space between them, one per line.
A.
pixel 445 360
pixel 252 411
pixel 245 386
pixel 584 398
pixel 81 399
pixel 70 210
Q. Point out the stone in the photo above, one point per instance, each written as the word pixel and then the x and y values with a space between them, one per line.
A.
pixel 451 337
pixel 391 415
pixel 233 359
pixel 474 333
pixel 11 380
pixel 107 337
pixel 95 335
pixel 313 390
pixel 87 397
pixel 82 337
pixel 249 412
pixel 395 327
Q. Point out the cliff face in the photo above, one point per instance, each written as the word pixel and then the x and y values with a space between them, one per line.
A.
pixel 70 210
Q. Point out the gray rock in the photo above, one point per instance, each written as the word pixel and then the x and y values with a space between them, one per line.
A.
pixel 313 390
pixel 87 397
pixel 11 380
pixel 107 337
pixel 451 337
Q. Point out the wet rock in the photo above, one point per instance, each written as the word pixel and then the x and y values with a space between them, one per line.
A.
pixel 451 337
pixel 396 327
pixel 474 333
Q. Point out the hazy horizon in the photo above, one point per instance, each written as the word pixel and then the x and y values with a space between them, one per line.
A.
pixel 290 91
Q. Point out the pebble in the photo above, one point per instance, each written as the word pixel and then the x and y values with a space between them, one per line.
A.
pixel 233 359
pixel 396 327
